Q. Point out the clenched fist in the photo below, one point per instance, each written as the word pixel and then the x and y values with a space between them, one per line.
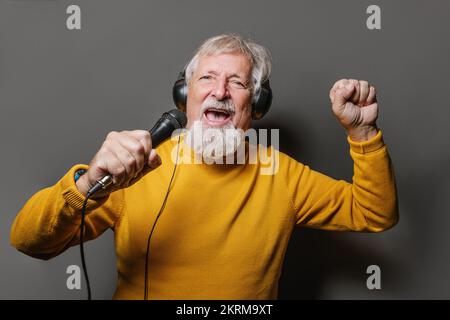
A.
pixel 355 105
pixel 127 156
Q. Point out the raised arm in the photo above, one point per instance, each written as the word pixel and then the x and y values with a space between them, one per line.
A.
pixel 370 202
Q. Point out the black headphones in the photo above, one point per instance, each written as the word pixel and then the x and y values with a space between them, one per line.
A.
pixel 262 99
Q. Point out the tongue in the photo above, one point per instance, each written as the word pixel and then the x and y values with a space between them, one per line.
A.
pixel 216 116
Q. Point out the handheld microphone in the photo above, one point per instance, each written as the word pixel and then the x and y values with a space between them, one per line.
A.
pixel 162 130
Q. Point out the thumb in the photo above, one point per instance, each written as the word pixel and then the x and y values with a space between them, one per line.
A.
pixel 154 159
pixel 153 162
pixel 343 94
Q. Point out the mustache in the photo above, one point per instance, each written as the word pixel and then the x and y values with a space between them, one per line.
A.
pixel 225 105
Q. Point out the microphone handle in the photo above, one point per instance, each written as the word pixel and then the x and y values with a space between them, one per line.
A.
pixel 103 183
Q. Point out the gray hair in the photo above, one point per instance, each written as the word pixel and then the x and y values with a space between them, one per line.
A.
pixel 230 43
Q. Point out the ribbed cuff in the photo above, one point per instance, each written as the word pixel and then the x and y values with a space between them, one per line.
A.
pixel 75 198
pixel 371 145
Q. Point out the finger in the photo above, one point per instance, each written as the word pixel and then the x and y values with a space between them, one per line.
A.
pixel 135 148
pixel 143 136
pixel 372 97
pixel 343 94
pixel 363 92
pixel 150 167
pixel 355 97
pixel 115 168
pixel 154 160
pixel 126 158
pixel 338 84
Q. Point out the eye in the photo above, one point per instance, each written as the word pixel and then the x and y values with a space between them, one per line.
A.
pixel 237 84
pixel 206 77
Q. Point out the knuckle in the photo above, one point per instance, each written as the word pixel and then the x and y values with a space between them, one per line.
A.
pixel 141 164
pixel 142 133
pixel 103 150
pixel 137 148
pixel 111 135
pixel 105 146
pixel 130 162
pixel 117 170
pixel 104 153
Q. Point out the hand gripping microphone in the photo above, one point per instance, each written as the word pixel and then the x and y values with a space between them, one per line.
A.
pixel 162 130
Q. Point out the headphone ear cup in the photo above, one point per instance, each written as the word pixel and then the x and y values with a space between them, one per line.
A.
pixel 262 101
pixel 179 92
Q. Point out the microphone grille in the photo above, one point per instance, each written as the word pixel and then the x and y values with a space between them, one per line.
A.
pixel 179 116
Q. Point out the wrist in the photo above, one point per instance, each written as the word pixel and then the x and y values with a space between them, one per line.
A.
pixel 82 184
pixel 360 134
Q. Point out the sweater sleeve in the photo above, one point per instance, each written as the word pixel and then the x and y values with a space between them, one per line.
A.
pixel 49 222
pixel 368 204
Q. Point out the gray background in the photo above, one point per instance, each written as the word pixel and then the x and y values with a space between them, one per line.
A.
pixel 62 91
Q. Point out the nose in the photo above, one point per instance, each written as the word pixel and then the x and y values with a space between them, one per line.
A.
pixel 220 90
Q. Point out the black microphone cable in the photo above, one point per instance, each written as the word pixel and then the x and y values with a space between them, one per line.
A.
pixel 82 227
pixel 83 260
pixel 161 209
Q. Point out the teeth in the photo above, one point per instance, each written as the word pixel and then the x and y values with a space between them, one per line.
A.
pixel 219 110
pixel 216 115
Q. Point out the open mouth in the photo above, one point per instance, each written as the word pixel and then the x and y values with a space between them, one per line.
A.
pixel 217 116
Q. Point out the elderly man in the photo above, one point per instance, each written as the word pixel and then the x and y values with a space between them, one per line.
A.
pixel 225 227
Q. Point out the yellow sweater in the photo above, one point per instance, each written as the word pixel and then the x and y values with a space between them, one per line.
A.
pixel 225 228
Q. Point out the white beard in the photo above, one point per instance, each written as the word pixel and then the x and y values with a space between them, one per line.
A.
pixel 214 143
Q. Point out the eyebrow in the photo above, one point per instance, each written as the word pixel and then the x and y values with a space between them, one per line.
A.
pixel 212 72
pixel 233 75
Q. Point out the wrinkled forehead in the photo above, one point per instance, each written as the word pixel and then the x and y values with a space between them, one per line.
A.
pixel 228 63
